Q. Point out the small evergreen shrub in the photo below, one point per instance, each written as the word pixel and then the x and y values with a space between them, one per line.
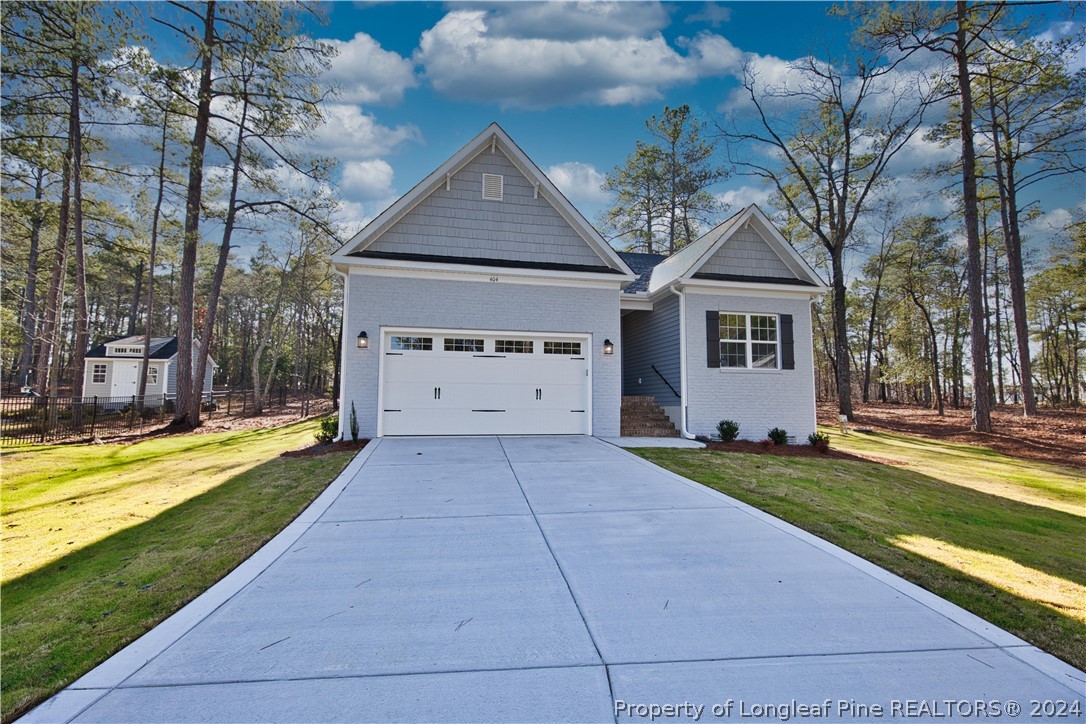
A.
pixel 820 441
pixel 779 436
pixel 328 430
pixel 728 430
pixel 354 424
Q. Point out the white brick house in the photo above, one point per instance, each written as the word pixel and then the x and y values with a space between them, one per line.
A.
pixel 483 302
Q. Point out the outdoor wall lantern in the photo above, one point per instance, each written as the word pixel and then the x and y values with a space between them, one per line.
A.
pixel 363 340
pixel 608 347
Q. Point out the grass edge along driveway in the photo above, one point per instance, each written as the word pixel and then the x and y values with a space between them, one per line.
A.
pixel 151 524
pixel 1016 564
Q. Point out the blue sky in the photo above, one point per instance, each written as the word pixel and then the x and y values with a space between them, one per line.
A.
pixel 572 83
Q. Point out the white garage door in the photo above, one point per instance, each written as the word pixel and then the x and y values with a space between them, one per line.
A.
pixel 459 383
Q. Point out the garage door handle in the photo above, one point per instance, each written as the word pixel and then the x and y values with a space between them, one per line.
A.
pixel 437 393
pixel 539 393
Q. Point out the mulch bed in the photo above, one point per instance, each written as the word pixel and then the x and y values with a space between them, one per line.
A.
pixel 315 450
pixel 791 451
pixel 1053 436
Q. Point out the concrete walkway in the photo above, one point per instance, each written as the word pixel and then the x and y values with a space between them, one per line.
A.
pixel 554 579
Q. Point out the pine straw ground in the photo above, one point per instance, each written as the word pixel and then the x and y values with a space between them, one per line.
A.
pixel 1053 436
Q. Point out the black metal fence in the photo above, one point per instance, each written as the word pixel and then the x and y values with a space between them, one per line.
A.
pixel 36 420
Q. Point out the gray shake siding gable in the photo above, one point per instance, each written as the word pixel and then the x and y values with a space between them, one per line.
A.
pixel 376 301
pixel 757 399
pixel 460 223
pixel 746 252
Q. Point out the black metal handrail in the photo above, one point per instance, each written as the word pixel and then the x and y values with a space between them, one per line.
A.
pixel 658 374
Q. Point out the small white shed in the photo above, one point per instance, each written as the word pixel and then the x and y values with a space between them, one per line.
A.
pixel 112 369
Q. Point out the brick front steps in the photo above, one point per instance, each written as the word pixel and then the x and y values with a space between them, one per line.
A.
pixel 642 417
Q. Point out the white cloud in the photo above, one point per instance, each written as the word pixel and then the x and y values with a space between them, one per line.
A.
pixel 575 20
pixel 465 59
pixel 351 134
pixel 744 196
pixel 580 182
pixel 711 13
pixel 1050 222
pixel 364 72
pixel 367 179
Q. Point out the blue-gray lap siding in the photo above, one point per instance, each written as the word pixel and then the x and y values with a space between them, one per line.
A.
pixel 648 339
pixel 374 302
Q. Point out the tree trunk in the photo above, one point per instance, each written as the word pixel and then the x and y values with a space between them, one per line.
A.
pixel 840 336
pixel 871 337
pixel 134 310
pixel 1017 282
pixel 998 336
pixel 981 421
pixel 985 242
pixel 155 216
pixel 220 272
pixel 186 295
pixel 1012 244
pixel 81 331
pixel 30 309
pixel 48 355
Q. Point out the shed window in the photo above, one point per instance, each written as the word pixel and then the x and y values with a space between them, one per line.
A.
pixel 456 344
pixel 493 186
pixel 98 374
pixel 152 375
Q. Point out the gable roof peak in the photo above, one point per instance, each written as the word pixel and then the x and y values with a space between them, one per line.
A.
pixel 498 140
pixel 683 264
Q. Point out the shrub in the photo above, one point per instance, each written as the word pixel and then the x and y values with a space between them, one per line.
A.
pixel 820 441
pixel 328 430
pixel 766 443
pixel 728 430
pixel 779 436
pixel 354 424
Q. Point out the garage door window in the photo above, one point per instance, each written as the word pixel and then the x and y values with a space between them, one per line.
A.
pixel 561 348
pixel 513 346
pixel 457 344
pixel 419 344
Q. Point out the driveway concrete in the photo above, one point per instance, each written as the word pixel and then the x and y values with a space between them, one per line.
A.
pixel 558 579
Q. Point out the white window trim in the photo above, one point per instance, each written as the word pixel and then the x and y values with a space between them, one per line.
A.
pixel 94 373
pixel 152 374
pixel 749 342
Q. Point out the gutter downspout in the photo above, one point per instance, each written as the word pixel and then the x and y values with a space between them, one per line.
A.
pixel 682 363
pixel 343 346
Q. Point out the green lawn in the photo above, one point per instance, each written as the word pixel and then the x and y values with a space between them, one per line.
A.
pixel 101 542
pixel 999 536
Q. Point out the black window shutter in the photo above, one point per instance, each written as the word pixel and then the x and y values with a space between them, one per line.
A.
pixel 788 344
pixel 712 338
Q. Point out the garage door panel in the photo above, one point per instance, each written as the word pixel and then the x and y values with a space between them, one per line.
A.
pixel 434 392
pixel 400 395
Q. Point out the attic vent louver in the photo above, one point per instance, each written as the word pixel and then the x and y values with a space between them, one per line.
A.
pixel 492 187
